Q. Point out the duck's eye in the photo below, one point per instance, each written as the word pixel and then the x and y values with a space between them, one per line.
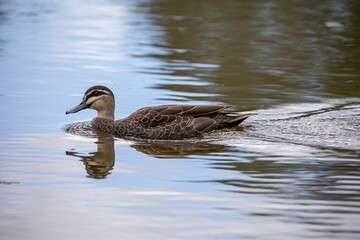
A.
pixel 97 93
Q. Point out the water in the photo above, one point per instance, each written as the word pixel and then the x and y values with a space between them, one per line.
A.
pixel 290 172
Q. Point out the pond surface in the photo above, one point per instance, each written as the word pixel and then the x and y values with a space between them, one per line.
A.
pixel 290 172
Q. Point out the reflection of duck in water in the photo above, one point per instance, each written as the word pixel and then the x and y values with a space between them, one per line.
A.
pixel 166 122
pixel 102 162
pixel 177 149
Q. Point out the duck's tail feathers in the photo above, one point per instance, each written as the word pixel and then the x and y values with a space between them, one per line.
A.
pixel 239 119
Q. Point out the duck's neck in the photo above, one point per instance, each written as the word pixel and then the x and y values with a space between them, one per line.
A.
pixel 106 114
pixel 106 110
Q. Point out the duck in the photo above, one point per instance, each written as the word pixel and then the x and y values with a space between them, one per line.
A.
pixel 163 122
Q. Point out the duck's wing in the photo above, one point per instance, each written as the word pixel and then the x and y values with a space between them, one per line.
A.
pixel 184 115
pixel 187 110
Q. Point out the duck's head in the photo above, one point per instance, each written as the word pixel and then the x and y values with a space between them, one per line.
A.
pixel 99 98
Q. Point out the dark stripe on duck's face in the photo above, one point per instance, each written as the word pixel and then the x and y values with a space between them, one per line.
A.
pixel 95 93
pixel 99 88
pixel 98 93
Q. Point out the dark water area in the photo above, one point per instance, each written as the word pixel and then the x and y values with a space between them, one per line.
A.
pixel 290 172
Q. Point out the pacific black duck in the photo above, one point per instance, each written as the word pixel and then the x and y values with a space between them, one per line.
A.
pixel 164 122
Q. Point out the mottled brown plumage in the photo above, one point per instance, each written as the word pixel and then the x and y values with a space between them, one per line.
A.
pixel 165 122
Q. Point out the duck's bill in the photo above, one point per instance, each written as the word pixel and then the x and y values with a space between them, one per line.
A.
pixel 79 107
